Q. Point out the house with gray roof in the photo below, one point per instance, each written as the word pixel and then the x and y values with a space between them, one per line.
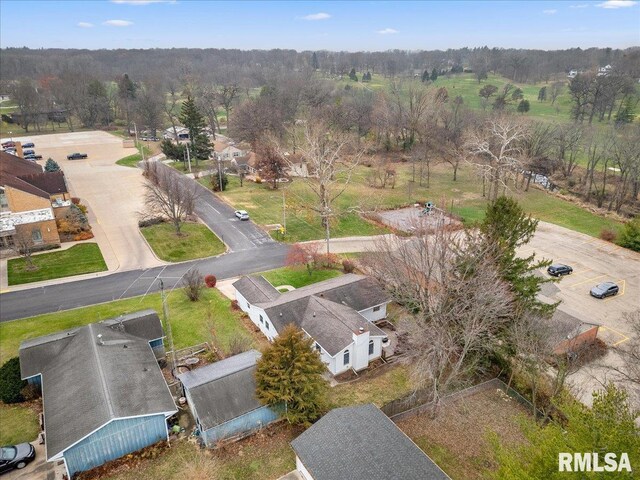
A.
pixel 338 314
pixel 222 399
pixel 360 443
pixel 103 393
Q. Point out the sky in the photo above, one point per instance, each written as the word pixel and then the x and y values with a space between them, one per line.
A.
pixel 301 25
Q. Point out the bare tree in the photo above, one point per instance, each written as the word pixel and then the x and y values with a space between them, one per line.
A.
pixel 193 284
pixel 23 245
pixel 168 194
pixel 629 351
pixel 227 94
pixel 497 151
pixel 270 164
pixel 331 158
pixel 460 304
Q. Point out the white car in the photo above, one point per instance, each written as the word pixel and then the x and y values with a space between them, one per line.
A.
pixel 242 214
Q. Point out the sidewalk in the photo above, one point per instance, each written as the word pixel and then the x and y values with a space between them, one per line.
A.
pixel 351 244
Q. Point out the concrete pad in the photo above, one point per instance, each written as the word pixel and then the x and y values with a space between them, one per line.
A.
pixel 225 287
pixel 113 194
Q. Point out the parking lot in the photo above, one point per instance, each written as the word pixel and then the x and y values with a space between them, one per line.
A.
pixel 593 261
pixel 112 193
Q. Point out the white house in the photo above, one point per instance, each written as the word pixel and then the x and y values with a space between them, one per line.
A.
pixel 338 314
pixel 229 153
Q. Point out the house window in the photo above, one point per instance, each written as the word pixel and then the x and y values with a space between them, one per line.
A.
pixel 261 319
pixel 3 201
pixel 376 309
pixel 36 235
pixel 248 306
pixel 370 347
pixel 345 358
pixel 266 324
pixel 236 154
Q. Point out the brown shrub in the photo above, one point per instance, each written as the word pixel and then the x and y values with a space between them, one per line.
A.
pixel 83 236
pixel 608 235
pixel 210 280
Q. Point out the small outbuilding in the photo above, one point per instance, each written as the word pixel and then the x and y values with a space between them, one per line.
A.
pixel 360 443
pixel 223 401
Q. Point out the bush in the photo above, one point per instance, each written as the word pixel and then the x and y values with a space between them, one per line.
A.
pixel 348 266
pixel 630 235
pixel 326 260
pixel 11 384
pixel 239 344
pixel 31 392
pixel 192 285
pixel 234 305
pixel 258 180
pixel 210 280
pixel 83 236
pixel 75 200
pixel 147 222
pixel 608 235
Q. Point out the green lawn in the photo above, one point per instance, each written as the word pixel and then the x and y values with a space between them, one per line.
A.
pixel 18 424
pixel 132 160
pixel 79 259
pixel 189 320
pixel 298 276
pixel 195 241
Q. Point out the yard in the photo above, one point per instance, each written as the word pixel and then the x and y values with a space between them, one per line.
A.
pixel 298 276
pixel 458 439
pixel 195 241
pixel 463 197
pixel 18 423
pixel 132 160
pixel 77 260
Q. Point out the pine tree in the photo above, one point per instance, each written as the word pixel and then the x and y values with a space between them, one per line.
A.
pixel 352 75
pixel 542 94
pixel 289 377
pixel 425 76
pixel 524 106
pixel 51 166
pixel 314 61
pixel 434 75
pixel 191 118
pixel 505 228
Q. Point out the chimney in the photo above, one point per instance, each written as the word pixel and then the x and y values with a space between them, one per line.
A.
pixel 100 342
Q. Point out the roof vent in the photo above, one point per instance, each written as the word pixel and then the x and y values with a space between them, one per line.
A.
pixel 314 314
pixel 280 313
pixel 361 329
pixel 125 346
pixel 100 341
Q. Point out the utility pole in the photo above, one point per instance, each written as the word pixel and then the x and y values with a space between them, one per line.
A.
pixel 188 158
pixel 165 315
pixel 284 213
pixel 219 175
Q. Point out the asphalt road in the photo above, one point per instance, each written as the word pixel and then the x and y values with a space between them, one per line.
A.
pixel 64 296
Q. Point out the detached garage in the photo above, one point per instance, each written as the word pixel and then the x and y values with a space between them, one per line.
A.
pixel 222 399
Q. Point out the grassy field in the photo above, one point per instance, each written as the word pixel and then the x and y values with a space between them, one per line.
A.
pixel 298 277
pixel 196 241
pixel 463 197
pixel 189 320
pixel 18 423
pixel 79 259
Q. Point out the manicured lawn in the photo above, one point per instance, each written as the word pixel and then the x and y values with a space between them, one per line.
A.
pixel 79 259
pixel 132 160
pixel 298 276
pixel 18 423
pixel 189 320
pixel 195 241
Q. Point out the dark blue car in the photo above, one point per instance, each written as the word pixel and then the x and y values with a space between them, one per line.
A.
pixel 16 456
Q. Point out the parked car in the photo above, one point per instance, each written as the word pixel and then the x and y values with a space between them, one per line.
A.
pixel 33 156
pixel 10 150
pixel 242 214
pixel 28 152
pixel 28 145
pixel 559 269
pixel 150 139
pixel 8 144
pixel 16 456
pixel 77 156
pixel 604 289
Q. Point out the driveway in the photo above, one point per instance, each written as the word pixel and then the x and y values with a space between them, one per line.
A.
pixel 39 469
pixel 112 193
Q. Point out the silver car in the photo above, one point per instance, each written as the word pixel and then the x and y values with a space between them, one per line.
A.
pixel 242 214
pixel 604 289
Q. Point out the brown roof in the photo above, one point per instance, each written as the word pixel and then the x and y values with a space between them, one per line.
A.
pixel 50 182
pixel 16 166
pixel 19 184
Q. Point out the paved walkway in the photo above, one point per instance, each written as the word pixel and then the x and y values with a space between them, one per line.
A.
pixel 351 244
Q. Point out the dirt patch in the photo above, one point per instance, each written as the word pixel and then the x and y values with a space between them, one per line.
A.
pixel 413 219
pixel 458 438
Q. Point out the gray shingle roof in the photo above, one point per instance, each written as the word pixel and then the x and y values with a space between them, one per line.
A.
pixel 362 443
pixel 223 390
pixel 87 383
pixel 256 289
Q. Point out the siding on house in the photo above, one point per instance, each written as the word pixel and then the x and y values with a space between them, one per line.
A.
pixel 303 470
pixel 242 425
pixel 374 315
pixel 115 440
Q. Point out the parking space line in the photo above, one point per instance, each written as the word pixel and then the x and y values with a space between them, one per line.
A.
pixel 624 337
pixel 585 281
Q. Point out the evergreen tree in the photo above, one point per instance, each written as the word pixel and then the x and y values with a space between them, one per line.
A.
pixel 51 165
pixel 425 76
pixel 172 150
pixel 127 93
pixel 314 61
pixel 289 377
pixel 625 114
pixel 542 94
pixel 11 384
pixel 517 94
pixel 434 75
pixel 630 235
pixel 352 75
pixel 191 118
pixel 607 427
pixel 505 228
pixel 524 106
pixel 215 181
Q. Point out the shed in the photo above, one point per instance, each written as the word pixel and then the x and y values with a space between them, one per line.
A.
pixel 222 398
pixel 360 443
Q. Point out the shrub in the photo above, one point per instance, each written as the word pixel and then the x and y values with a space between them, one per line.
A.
pixel 75 200
pixel 239 344
pixel 258 180
pixel 11 384
pixel 31 392
pixel 83 236
pixel 210 280
pixel 147 222
pixel 608 235
pixel 348 266
pixel 326 260
pixel 630 235
pixel 192 284
pixel 234 305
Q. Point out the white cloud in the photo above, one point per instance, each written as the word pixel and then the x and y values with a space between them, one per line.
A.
pixel 141 2
pixel 550 12
pixel 317 16
pixel 85 24
pixel 581 5
pixel 616 4
pixel 387 31
pixel 117 23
